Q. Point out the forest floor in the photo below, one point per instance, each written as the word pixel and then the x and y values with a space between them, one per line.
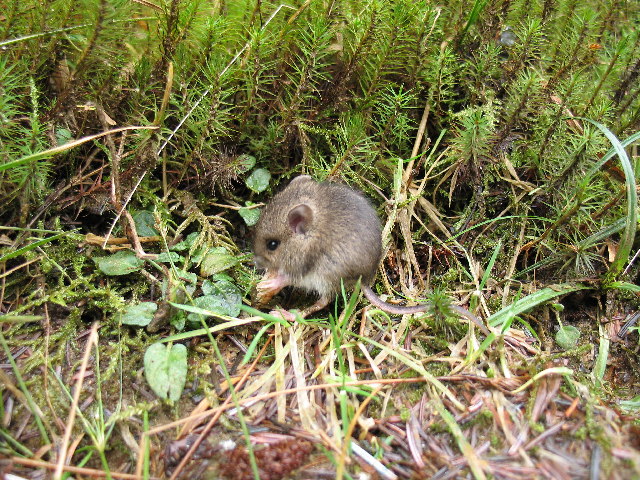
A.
pixel 498 142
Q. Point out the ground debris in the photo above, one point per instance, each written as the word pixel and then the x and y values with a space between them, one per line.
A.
pixel 275 461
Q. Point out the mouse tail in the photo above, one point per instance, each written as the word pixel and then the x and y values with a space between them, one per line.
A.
pixel 389 308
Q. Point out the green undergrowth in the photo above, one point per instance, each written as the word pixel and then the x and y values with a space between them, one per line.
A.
pixel 498 141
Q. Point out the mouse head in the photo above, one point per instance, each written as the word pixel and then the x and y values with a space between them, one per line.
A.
pixel 286 234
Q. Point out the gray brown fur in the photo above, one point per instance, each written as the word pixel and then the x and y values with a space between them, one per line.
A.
pixel 343 240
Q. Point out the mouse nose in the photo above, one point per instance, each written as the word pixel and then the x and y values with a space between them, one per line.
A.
pixel 260 262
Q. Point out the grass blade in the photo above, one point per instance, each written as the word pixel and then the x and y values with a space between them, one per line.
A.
pixel 530 301
pixel 628 236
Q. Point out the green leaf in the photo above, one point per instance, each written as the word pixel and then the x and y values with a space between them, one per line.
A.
pixel 525 304
pixel 16 253
pixel 188 277
pixel 628 236
pixel 139 314
pixel 216 260
pixel 243 163
pixel 253 346
pixel 474 14
pixel 186 243
pixel 145 223
pixel 63 135
pixel 600 366
pixel 169 257
pixel 226 325
pixel 259 180
pixel 567 337
pixel 120 263
pixel 227 295
pixel 250 215
pixel 214 304
pixel 632 406
pixel 165 368
pixel 222 276
pixel 631 287
pixel 179 320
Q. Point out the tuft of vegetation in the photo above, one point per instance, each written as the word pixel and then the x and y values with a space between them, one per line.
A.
pixel 139 140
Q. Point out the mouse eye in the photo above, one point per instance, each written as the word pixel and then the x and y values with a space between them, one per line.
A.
pixel 272 244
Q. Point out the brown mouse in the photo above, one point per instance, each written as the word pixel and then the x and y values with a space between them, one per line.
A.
pixel 313 235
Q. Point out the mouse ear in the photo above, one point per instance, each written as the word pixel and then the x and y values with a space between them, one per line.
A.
pixel 300 218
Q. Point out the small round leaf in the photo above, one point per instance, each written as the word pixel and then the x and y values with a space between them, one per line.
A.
pixel 165 368
pixel 169 257
pixel 243 163
pixel 145 223
pixel 567 337
pixel 250 215
pixel 120 263
pixel 139 314
pixel 259 180
pixel 217 260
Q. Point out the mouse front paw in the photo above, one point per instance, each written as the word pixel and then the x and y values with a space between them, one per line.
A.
pixel 269 286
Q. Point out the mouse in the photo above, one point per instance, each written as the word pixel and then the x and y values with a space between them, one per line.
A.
pixel 314 236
